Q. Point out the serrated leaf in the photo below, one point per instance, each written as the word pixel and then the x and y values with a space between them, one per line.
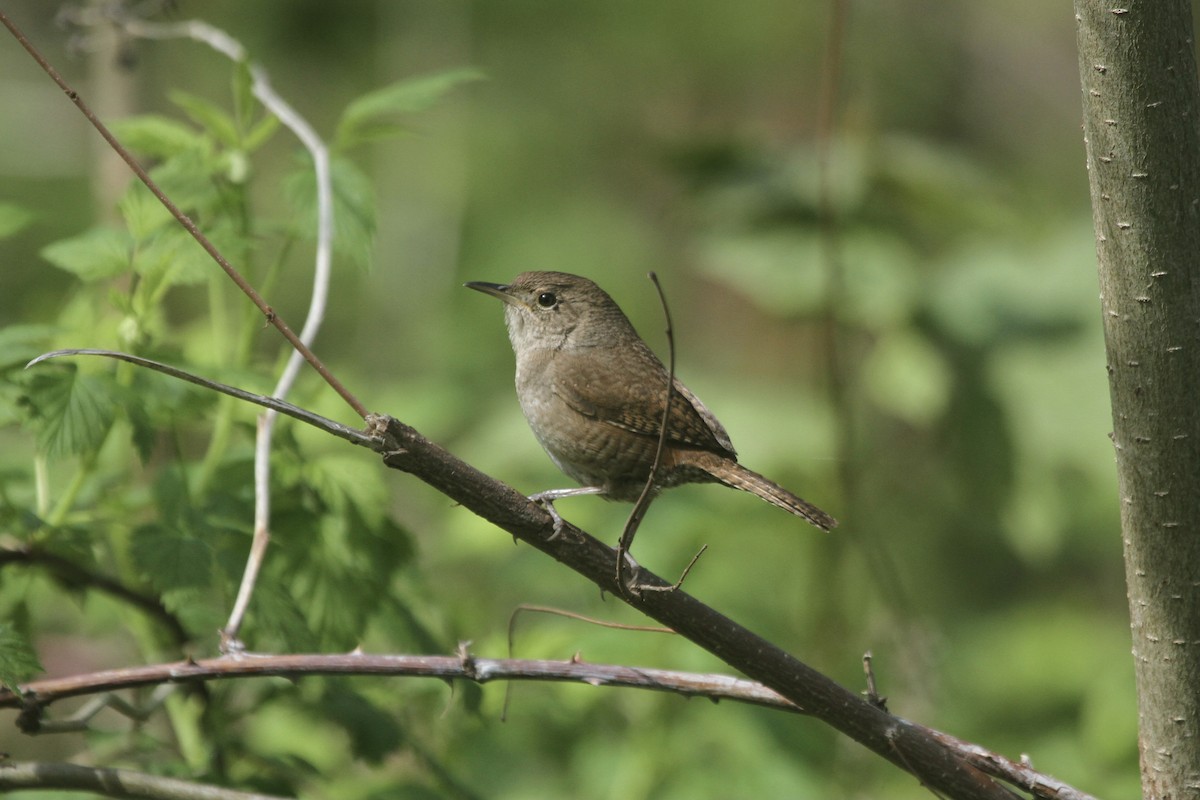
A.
pixel 157 136
pixel 196 609
pixel 208 115
pixel 18 661
pixel 243 94
pixel 13 219
pixel 170 558
pixel 402 97
pixel 143 433
pixel 174 257
pixel 142 212
pixel 339 574
pixel 374 733
pixel 278 617
pixel 93 255
pixel 187 179
pixel 353 208
pixel 21 343
pixel 342 480
pixel 75 410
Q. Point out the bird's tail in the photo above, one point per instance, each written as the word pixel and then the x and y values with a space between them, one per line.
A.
pixel 733 474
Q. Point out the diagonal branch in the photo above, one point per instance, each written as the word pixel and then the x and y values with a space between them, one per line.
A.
pixel 908 746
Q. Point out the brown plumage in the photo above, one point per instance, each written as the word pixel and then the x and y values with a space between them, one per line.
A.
pixel 593 393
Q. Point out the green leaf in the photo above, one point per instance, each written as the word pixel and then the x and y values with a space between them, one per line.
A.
pixel 209 116
pixel 75 410
pixel 170 558
pixel 13 219
pixel 374 733
pixel 261 133
pixel 21 343
pixel 278 617
pixel 196 608
pixel 157 136
pixel 342 480
pixel 93 255
pixel 175 257
pixel 18 661
pixel 142 212
pixel 187 179
pixel 402 97
pixel 353 208
pixel 244 101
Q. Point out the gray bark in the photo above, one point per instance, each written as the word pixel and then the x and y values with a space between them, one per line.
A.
pixel 1140 110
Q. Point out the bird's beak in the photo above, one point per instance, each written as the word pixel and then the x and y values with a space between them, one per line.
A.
pixel 498 290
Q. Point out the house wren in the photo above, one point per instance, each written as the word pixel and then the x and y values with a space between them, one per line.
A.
pixel 594 394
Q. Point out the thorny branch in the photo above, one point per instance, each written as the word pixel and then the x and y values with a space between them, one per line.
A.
pixel 40 694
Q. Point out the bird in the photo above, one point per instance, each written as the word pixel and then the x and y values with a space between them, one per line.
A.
pixel 594 394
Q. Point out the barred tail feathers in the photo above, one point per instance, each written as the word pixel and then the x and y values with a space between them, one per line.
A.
pixel 734 475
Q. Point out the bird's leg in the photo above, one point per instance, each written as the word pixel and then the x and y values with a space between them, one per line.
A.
pixel 546 500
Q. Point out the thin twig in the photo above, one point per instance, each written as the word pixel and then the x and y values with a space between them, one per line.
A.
pixel 352 435
pixel 603 623
pixel 45 692
pixel 512 627
pixel 682 575
pixel 40 775
pixel 37 695
pixel 643 501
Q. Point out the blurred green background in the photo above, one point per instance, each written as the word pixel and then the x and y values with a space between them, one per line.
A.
pixel 963 444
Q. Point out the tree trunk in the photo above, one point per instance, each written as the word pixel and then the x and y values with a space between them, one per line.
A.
pixel 1141 106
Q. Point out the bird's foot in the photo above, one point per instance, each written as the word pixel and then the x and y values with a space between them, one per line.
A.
pixel 546 500
pixel 547 504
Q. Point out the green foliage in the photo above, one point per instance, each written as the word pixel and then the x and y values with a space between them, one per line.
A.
pixel 75 410
pixel 169 559
pixel 353 208
pixel 367 118
pixel 374 733
pixel 95 255
pixel 18 661
pixel 158 137
pixel 146 483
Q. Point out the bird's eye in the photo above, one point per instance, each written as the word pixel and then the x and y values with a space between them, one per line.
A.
pixel 547 300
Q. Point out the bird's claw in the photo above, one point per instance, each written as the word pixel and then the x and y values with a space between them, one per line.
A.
pixel 547 504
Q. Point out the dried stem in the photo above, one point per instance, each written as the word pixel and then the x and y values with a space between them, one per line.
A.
pixel 643 501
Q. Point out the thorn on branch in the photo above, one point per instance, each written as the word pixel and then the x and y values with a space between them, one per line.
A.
pixel 872 692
